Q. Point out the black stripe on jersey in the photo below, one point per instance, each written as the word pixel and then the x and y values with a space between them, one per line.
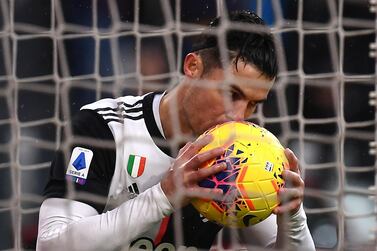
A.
pixel 136 189
pixel 119 108
pixel 115 114
pixel 133 188
pixel 114 120
pixel 120 119
pixel 128 105
pixel 151 123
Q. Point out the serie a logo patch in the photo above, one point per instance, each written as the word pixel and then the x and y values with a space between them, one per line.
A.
pixel 78 167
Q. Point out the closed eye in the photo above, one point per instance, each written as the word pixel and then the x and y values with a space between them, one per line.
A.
pixel 236 95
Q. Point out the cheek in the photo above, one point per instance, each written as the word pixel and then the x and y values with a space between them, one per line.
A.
pixel 212 114
pixel 213 105
pixel 208 108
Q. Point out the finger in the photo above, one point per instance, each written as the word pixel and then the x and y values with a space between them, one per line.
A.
pixel 292 159
pixel 289 207
pixel 203 173
pixel 202 141
pixel 288 194
pixel 184 148
pixel 195 146
pixel 292 179
pixel 198 160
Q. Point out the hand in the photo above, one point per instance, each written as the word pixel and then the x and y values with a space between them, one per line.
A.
pixel 181 182
pixel 292 194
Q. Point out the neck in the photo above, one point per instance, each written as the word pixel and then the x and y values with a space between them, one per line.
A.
pixel 171 109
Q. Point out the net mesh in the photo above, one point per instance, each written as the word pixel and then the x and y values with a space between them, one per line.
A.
pixel 56 56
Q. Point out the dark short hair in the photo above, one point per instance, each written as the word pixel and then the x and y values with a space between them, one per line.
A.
pixel 255 46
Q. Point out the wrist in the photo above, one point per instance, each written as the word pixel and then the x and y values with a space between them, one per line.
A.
pixel 163 200
pixel 299 215
pixel 293 220
pixel 166 189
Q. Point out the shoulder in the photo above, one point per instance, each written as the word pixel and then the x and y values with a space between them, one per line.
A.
pixel 113 103
pixel 91 124
pixel 116 110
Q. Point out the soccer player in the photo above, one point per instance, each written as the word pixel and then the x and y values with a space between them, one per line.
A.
pixel 147 189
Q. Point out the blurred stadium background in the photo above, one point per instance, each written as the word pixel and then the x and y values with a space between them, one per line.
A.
pixel 56 56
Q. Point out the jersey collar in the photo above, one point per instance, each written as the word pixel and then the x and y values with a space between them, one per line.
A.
pixel 151 124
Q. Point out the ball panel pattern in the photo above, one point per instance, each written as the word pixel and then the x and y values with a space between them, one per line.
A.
pixel 254 161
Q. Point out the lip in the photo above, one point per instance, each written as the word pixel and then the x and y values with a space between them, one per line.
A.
pixel 219 122
pixel 224 121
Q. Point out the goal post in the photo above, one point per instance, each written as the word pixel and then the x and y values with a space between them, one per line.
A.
pixel 58 55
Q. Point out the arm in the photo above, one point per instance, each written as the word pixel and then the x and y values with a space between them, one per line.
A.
pixel 293 230
pixel 287 227
pixel 71 225
pixel 79 224
pixel 277 231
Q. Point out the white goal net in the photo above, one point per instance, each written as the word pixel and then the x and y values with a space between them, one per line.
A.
pixel 56 56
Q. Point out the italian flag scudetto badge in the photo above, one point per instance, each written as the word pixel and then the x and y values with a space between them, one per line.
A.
pixel 136 165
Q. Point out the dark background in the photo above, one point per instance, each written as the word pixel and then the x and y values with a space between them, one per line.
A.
pixel 56 56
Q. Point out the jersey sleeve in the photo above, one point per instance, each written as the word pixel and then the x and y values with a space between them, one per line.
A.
pixel 295 231
pixel 70 225
pixel 89 131
pixel 291 233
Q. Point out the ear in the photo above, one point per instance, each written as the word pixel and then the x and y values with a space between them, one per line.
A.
pixel 193 65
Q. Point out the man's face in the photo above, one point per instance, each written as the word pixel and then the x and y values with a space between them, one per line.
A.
pixel 224 95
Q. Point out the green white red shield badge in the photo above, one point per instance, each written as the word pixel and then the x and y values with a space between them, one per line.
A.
pixel 136 165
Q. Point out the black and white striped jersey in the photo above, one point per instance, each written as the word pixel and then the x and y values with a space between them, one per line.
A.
pixel 117 160
pixel 134 161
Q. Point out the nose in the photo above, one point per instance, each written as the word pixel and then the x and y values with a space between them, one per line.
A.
pixel 240 111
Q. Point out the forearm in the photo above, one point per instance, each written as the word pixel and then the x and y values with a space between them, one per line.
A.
pixel 71 225
pixel 294 232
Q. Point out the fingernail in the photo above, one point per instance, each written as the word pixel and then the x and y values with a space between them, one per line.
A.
pixel 209 136
pixel 220 150
pixel 221 165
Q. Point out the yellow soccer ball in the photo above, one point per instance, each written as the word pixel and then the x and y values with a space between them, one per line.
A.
pixel 255 160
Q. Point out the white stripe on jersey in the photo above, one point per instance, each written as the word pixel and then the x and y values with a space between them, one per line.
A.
pixel 119 113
